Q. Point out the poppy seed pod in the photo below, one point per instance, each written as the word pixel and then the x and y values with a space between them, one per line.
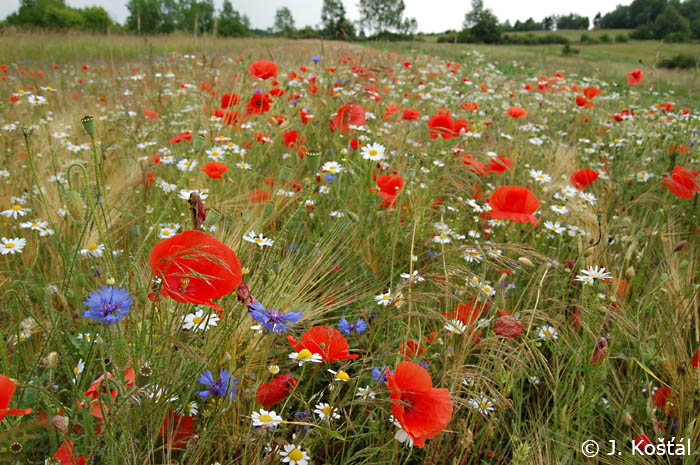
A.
pixel 284 173
pixel 313 159
pixel 88 125
pixel 198 143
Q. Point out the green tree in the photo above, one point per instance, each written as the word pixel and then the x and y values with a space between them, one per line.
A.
pixel 152 16
pixel 96 18
pixel 480 25
pixel 200 12
pixel 572 21
pixel 382 15
pixel 335 24
pixel 232 23
pixel 284 22
pixel 619 18
pixel 671 22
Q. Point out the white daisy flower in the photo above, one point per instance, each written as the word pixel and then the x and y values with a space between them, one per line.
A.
pixel 548 332
pixel 325 411
pixel 484 405
pixel 266 419
pixel 374 152
pixel 305 356
pixel 200 320
pixel 260 240
pixel 332 167
pixel 383 299
pixel 93 250
pixel 294 456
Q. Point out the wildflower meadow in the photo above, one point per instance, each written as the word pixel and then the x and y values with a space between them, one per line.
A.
pixel 322 253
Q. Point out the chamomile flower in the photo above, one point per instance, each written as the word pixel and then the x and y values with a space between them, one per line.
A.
pixel 472 256
pixel 168 230
pixel 325 411
pixel 260 240
pixel 595 272
pixel 200 321
pixel 442 238
pixel 186 165
pixel 266 419
pixel 93 250
pixel 540 176
pixel 293 455
pixel 373 152
pixel 12 246
pixel 78 369
pixel 305 356
pixel 483 404
pixel 548 332
pixel 15 211
pixel 340 376
pixel 243 165
pixel 273 369
pixel 455 326
pixel 383 299
pixel 561 209
pixel 365 393
pixel 413 277
pixel 332 167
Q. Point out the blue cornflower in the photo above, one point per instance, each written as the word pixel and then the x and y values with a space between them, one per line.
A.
pixel 346 327
pixel 217 388
pixel 294 101
pixel 108 305
pixel 331 177
pixel 380 374
pixel 273 320
pixel 315 59
pixel 257 91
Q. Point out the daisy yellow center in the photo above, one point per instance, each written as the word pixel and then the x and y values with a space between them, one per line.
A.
pixel 343 376
pixel 10 245
pixel 75 371
pixel 295 455
pixel 373 152
pixel 258 240
pixel 305 354
pixel 17 207
pixel 265 418
pixel 165 232
pixel 92 246
pixel 327 410
pixel 442 236
pixel 484 404
pixel 197 320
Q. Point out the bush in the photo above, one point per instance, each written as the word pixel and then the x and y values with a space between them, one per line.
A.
pixel 554 39
pixel 447 39
pixel 681 61
pixel 642 32
pixel 568 50
pixel 677 37
pixel 606 39
pixel 532 39
pixel 620 38
pixel 587 39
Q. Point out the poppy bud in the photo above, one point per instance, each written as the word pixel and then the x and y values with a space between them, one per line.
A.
pixel 227 358
pixel 268 209
pixel 89 125
pixel 629 272
pixel 75 205
pixel 60 423
pixel 198 143
pixel 120 352
pixel 284 173
pixel 56 298
pixel 199 214
pixel 627 419
pixel 243 291
pixel 212 218
pixel 680 246
pixel 525 262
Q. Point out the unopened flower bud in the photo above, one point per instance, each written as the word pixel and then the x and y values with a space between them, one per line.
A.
pixel 198 143
pixel 75 205
pixel 52 359
pixel 227 358
pixel 284 174
pixel 60 423
pixel 629 272
pixel 680 246
pixel 525 262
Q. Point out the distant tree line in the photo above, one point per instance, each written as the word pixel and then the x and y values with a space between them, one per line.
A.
pixel 55 14
pixel 670 20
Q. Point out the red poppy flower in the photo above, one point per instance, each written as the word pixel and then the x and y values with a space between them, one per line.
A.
pixel 409 114
pixel 475 166
pixel 517 112
pixel 515 203
pixel 642 441
pixel 325 341
pixel 195 268
pixel 499 165
pixel 601 350
pixel 214 169
pixel 230 99
pixel 411 349
pixel 67 456
pixel 187 135
pixel 634 77
pixel 178 429
pixel 258 104
pixel 583 102
pixel 292 139
pixel 150 114
pixel 347 115
pixel 391 109
pixel 682 183
pixel 389 187
pixel 661 397
pixel 270 393
pixel 422 410
pixel 262 69
pixel 441 125
pixel 590 92
pixel 259 196
pixel 696 359
pixel 508 326
pixel 7 390
pixel 581 179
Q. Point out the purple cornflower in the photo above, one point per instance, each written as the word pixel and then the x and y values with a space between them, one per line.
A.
pixel 380 374
pixel 217 388
pixel 315 59
pixel 273 320
pixel 345 326
pixel 108 305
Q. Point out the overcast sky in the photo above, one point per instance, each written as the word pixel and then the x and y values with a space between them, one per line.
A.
pixel 432 15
